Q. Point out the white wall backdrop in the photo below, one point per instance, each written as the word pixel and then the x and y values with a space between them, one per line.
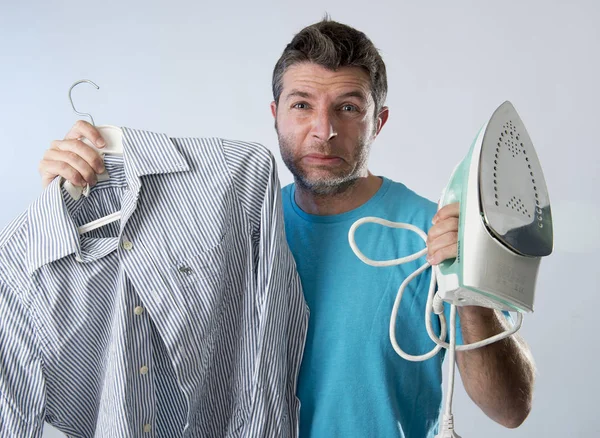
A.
pixel 204 69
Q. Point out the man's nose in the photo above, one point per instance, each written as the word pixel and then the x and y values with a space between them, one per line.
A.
pixel 323 126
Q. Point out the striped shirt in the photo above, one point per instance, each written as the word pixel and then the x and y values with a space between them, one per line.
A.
pixel 184 319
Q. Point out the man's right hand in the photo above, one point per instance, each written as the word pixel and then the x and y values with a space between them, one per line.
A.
pixel 73 159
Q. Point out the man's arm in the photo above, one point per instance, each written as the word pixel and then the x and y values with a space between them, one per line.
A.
pixel 499 377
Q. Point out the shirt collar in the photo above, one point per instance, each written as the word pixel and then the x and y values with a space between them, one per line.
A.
pixel 150 153
pixel 52 234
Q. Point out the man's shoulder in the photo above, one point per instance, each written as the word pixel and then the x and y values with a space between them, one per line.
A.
pixel 403 204
pixel 410 196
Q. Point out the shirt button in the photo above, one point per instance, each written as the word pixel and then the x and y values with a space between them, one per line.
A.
pixel 147 428
pixel 127 245
pixel 138 310
pixel 144 370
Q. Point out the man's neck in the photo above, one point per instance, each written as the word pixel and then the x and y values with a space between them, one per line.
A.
pixel 351 198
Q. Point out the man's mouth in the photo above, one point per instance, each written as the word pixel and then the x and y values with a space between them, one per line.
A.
pixel 322 159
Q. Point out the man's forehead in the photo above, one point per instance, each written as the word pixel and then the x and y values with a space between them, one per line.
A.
pixel 310 77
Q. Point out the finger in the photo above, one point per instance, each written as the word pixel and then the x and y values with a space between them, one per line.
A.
pixel 46 176
pixel 442 242
pixel 74 161
pixel 445 253
pixel 84 129
pixel 450 210
pixel 89 155
pixel 443 227
pixel 51 169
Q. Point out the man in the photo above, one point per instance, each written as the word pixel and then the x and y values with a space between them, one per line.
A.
pixel 329 90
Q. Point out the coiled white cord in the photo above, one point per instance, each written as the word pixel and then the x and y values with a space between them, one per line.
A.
pixel 435 305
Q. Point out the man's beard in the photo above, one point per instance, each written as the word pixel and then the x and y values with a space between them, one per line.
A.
pixel 334 184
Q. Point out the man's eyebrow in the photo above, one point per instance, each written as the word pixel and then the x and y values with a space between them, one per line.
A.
pixel 297 93
pixel 358 94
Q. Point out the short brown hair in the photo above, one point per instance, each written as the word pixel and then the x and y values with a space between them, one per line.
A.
pixel 333 45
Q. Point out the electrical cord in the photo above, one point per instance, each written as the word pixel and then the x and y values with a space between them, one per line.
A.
pixel 434 305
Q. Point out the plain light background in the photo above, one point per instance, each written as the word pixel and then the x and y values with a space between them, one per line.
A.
pixel 204 69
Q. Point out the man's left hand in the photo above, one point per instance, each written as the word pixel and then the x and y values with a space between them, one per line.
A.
pixel 442 239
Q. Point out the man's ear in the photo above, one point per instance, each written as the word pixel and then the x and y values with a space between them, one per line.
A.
pixel 274 109
pixel 382 117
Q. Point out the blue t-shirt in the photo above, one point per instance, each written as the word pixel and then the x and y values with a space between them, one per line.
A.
pixel 352 383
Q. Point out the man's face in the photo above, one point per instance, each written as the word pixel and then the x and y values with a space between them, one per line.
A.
pixel 325 123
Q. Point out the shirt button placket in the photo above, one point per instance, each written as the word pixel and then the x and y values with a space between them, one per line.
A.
pixel 139 311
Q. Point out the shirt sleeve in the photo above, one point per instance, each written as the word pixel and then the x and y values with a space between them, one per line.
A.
pixel 22 385
pixel 283 316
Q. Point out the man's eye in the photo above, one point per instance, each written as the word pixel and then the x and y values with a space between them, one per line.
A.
pixel 349 108
pixel 300 105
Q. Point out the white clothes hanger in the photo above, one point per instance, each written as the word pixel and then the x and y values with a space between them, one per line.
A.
pixel 113 136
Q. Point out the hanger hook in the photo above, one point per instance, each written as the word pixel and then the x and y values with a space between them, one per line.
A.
pixel 71 99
